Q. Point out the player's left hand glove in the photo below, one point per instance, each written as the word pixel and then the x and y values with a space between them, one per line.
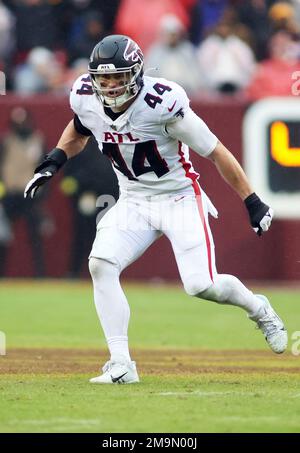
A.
pixel 260 214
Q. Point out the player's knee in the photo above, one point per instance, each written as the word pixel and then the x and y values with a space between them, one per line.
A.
pixel 217 292
pixel 194 285
pixel 211 293
pixel 95 267
pixel 99 268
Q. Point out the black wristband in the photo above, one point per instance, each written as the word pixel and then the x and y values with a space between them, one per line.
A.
pixel 53 161
pixel 256 210
pixel 251 200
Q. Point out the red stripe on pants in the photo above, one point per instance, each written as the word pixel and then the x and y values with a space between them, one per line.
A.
pixel 197 191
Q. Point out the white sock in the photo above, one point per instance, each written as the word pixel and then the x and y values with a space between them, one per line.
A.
pixel 118 348
pixel 111 305
pixel 228 289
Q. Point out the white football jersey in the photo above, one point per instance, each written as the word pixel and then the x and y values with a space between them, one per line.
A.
pixel 146 159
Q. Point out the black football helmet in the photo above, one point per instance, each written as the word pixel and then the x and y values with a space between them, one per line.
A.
pixel 117 54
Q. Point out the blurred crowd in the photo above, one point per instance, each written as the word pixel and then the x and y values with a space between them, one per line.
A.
pixel 210 47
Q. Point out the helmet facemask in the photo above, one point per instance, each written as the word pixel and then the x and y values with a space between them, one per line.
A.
pixel 128 82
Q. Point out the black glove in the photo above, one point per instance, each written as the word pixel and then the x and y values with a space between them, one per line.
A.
pixel 260 214
pixel 52 163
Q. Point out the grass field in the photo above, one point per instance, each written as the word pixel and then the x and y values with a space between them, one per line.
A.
pixel 203 367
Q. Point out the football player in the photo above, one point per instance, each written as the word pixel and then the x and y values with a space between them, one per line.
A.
pixel 146 126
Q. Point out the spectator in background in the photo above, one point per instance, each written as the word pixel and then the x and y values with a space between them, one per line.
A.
pixel 206 15
pixel 40 73
pixel 226 62
pixel 37 25
pixel 140 19
pixel 174 56
pixel 21 150
pixel 274 75
pixel 296 6
pixel 254 15
pixel 7 42
pixel 91 31
pixel 283 17
pixel 55 24
pixel 77 8
pixel 7 33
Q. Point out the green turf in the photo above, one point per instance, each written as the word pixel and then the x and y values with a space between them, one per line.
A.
pixel 62 315
pixel 59 314
pixel 207 403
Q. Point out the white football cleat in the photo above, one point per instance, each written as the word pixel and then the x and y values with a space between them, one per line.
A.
pixel 119 371
pixel 271 326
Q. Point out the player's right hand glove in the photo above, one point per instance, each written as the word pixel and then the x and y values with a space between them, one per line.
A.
pixel 260 214
pixel 38 180
pixel 51 164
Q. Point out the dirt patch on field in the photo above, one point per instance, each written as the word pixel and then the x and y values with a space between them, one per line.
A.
pixel 158 362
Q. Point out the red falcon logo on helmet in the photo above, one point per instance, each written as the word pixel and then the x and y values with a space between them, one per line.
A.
pixel 132 52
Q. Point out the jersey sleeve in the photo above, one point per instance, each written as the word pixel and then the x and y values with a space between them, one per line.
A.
pixel 194 132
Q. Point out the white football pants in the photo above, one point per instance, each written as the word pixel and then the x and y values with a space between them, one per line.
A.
pixel 130 227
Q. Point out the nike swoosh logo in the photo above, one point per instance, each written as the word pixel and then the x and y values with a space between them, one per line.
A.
pixel 171 108
pixel 178 199
pixel 116 379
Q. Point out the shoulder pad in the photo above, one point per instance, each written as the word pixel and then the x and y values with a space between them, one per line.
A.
pixel 167 99
pixel 175 103
pixel 81 88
